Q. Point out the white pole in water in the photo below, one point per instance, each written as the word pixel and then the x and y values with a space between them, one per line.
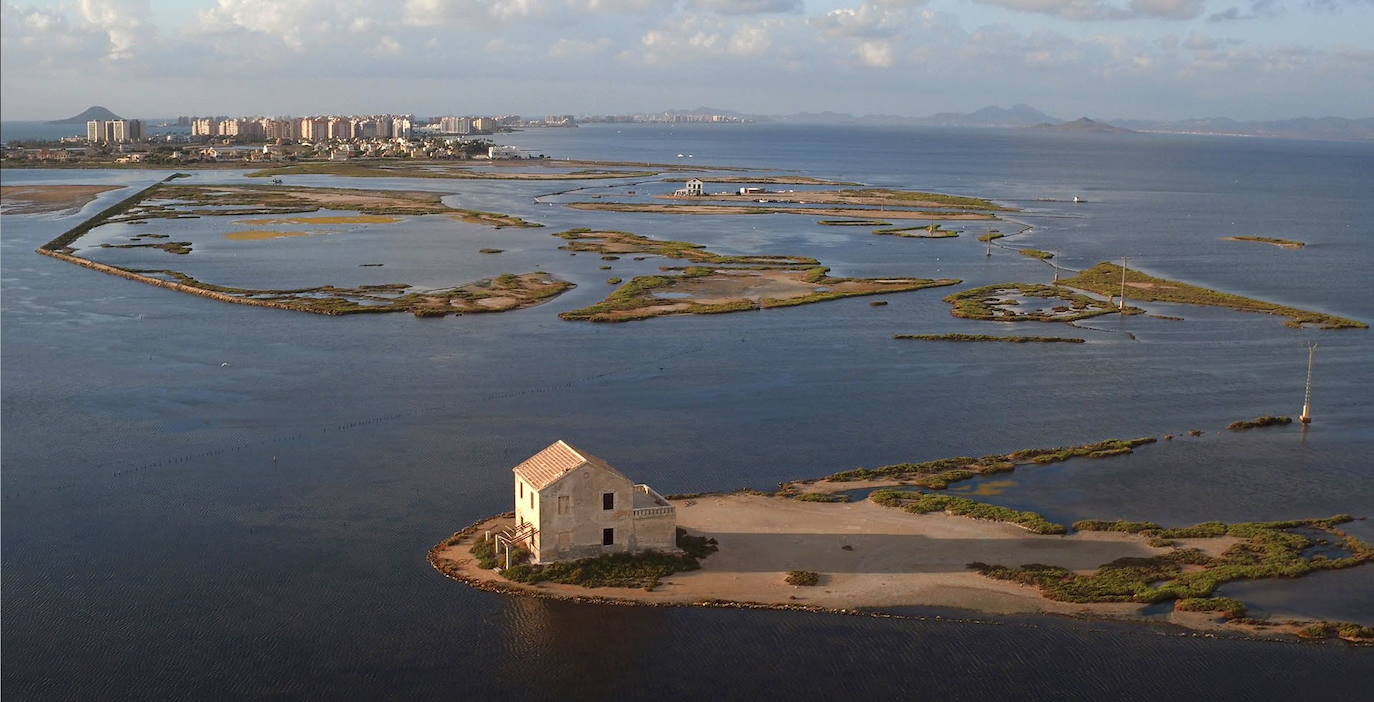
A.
pixel 1123 283
pixel 1306 417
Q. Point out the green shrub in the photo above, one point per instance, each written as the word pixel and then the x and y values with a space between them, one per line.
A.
pixel 923 503
pixel 1118 525
pixel 802 578
pixel 612 570
pixel 1231 609
pixel 821 497
pixel 696 546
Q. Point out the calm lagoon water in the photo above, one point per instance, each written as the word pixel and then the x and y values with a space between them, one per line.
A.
pixel 175 528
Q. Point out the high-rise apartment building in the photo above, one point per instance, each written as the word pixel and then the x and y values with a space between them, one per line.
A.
pixel 114 131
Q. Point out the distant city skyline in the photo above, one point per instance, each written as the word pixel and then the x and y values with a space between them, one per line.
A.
pixel 1151 59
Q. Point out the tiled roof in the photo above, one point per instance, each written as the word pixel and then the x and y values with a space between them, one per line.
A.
pixel 550 465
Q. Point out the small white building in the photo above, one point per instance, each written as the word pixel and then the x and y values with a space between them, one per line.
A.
pixel 570 504
pixel 503 152
pixel 692 188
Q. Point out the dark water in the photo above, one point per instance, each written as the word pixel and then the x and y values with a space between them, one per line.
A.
pixel 174 528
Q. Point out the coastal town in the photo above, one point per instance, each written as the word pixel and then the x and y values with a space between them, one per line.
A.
pixel 213 139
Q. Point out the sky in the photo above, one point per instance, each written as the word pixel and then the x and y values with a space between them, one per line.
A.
pixel 1148 59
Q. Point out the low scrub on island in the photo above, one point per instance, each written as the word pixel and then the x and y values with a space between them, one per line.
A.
pixel 992 338
pixel 1267 550
pixel 1105 279
pixel 1257 422
pixel 924 503
pixel 643 569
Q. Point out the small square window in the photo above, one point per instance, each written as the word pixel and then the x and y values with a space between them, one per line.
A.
pixel 607 500
pixel 608 537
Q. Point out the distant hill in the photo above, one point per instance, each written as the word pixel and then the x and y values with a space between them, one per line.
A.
pixel 1014 116
pixel 992 116
pixel 1338 128
pixel 1083 125
pixel 90 113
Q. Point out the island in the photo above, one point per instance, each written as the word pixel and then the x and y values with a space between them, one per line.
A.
pixel 1272 241
pixel 1083 125
pixel 864 542
pixel 1106 279
pixel 164 201
pixel 718 283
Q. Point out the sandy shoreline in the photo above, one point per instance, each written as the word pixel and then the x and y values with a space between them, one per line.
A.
pixel 894 559
pixel 41 199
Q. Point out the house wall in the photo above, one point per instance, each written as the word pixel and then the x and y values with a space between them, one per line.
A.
pixel 527 505
pixel 658 533
pixel 576 533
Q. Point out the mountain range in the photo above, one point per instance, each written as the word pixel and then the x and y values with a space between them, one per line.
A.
pixel 1335 128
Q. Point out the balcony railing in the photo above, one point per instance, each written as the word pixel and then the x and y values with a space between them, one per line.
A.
pixel 659 508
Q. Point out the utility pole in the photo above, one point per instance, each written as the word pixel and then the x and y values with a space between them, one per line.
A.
pixel 1306 417
pixel 1124 259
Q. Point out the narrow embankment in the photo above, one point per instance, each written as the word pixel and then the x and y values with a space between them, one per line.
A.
pixel 60 248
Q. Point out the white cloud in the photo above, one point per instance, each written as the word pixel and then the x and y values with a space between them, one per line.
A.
pixel 875 53
pixel 749 40
pixel 124 23
pixel 386 47
pixel 751 7
pixel 1107 9
pixel 570 48
pixel 873 18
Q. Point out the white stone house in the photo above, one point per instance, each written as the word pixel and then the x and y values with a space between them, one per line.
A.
pixel 570 504
pixel 693 188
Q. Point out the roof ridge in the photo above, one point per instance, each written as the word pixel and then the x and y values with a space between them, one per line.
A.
pixel 574 450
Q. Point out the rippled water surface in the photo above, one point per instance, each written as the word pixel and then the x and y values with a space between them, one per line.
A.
pixel 175 527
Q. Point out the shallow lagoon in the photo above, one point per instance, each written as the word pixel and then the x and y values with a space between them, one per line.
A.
pixel 260 528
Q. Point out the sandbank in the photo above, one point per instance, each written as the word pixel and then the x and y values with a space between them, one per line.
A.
pixel 41 199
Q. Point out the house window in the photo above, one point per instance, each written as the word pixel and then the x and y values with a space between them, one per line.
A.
pixel 531 499
pixel 564 504
pixel 608 537
pixel 522 489
pixel 607 500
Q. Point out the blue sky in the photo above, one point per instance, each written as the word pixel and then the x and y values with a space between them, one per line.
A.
pixel 1248 59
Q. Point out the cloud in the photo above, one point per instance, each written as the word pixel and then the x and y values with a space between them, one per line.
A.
pixel 124 23
pixel 871 19
pixel 1258 9
pixel 386 47
pixel 286 23
pixel 1095 10
pixel 569 48
pixel 751 7
pixel 875 53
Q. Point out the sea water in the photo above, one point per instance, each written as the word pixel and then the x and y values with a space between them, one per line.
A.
pixel 178 527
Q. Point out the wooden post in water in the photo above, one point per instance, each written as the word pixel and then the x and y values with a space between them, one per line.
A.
pixel 1306 417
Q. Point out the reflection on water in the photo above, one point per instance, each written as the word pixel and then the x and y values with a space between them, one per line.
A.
pixel 333 219
pixel 983 489
pixel 256 234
